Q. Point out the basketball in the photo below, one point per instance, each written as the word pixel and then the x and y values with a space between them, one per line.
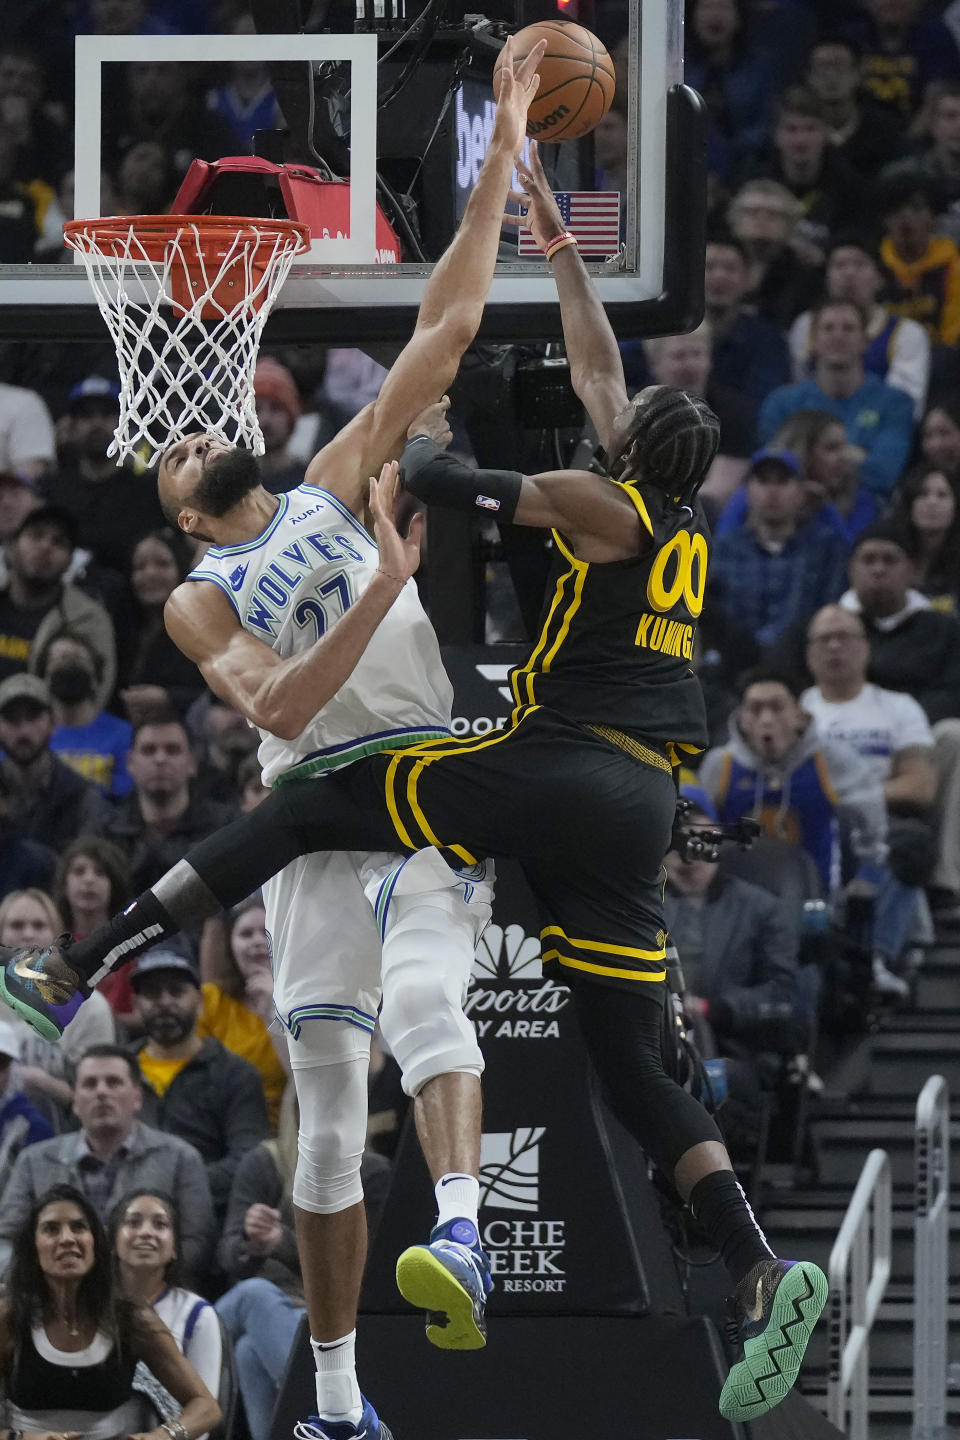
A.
pixel 577 80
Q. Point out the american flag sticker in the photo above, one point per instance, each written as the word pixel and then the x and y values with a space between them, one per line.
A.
pixel 592 215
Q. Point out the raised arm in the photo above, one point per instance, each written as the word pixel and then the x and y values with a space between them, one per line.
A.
pixel 601 520
pixel 451 308
pixel 283 695
pixel 596 368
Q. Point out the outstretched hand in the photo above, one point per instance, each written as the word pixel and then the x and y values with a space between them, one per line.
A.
pixel 432 421
pixel 518 85
pixel 399 555
pixel 543 218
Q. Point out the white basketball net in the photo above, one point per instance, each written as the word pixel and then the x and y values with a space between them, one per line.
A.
pixel 187 334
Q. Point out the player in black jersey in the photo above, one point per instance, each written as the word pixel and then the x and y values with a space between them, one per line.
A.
pixel 579 788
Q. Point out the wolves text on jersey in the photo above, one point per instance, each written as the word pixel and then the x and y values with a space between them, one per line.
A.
pixel 278 582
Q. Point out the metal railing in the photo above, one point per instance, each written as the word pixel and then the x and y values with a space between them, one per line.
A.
pixel 932 1262
pixel 859 1270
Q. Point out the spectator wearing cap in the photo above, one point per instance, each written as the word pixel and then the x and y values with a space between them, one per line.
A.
pixel 921 268
pixel 156 824
pixel 775 570
pixel 21 1123
pixel 111 1154
pixel 833 491
pixel 278 410
pixel 878 418
pixel 26 432
pixel 89 739
pixel 940 161
pixel 863 132
pixel 832 194
pixel 112 507
pixel 49 802
pixel 194 1088
pixel 36 600
pixel 898 349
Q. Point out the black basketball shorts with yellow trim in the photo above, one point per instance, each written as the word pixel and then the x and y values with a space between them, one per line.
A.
pixel 589 823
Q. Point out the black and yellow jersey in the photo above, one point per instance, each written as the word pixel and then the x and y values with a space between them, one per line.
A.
pixel 616 639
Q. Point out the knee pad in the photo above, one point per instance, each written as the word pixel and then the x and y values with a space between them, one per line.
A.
pixel 430 931
pixel 330 1065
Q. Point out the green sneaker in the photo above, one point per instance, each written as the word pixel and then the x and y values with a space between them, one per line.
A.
pixel 776 1306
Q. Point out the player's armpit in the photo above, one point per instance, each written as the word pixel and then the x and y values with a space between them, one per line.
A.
pixel 597 516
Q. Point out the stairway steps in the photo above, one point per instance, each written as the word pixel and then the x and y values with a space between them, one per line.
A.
pixel 918 1022
pixel 936 988
pixel 891 1343
pixel 891 1415
pixel 842 1146
pixel 811 1234
pixel 897 1063
pixel 830 1106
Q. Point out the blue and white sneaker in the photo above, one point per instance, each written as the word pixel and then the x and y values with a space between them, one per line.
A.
pixel 370 1428
pixel 449 1277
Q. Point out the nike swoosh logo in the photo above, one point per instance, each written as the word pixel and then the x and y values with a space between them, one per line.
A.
pixel 754 1314
pixel 48 988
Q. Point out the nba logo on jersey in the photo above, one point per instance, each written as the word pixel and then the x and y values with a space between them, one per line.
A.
pixel 487 502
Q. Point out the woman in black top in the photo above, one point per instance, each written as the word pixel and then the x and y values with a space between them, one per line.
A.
pixel 154 673
pixel 69 1343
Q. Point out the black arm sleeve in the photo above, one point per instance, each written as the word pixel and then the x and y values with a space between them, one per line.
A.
pixel 437 478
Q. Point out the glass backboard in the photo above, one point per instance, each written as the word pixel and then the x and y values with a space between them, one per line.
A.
pixel 402 105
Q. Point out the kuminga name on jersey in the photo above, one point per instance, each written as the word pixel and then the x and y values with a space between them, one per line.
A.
pixel 294 581
pixel 617 638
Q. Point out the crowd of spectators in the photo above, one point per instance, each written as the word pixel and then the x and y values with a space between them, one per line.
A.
pixel 829 648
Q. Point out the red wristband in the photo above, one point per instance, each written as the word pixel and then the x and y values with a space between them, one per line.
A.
pixel 557 243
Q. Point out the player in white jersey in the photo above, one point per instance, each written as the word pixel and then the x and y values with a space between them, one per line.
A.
pixel 347 928
pixel 316 635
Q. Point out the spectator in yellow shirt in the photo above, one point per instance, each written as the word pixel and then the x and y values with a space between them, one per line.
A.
pixel 238 1005
pixel 922 279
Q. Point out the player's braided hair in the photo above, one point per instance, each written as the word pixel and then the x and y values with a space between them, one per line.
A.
pixel 672 441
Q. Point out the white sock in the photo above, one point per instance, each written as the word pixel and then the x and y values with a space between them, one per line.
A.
pixel 458 1198
pixel 338 1393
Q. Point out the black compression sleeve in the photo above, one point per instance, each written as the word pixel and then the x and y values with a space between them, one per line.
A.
pixel 441 479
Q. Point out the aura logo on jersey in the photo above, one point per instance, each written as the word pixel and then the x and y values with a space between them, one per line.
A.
pixel 525 1251
pixel 499 1006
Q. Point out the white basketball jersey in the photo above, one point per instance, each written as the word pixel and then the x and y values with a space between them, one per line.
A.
pixel 288 587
